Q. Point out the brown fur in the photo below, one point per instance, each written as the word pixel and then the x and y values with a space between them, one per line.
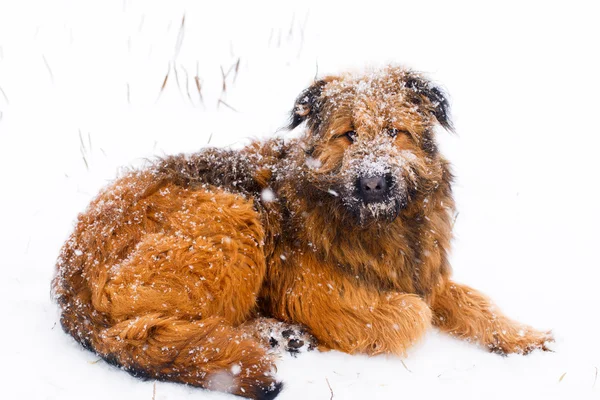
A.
pixel 170 266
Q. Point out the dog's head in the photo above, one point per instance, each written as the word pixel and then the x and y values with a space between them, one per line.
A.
pixel 369 144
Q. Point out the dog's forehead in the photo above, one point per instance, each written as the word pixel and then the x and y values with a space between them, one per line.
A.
pixel 379 92
pixel 373 100
pixel 379 83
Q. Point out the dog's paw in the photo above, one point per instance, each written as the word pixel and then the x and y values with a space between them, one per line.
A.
pixel 523 341
pixel 279 337
pixel 282 337
pixel 291 338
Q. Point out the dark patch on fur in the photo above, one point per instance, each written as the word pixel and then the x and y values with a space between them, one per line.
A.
pixel 136 372
pixel 67 327
pixel 307 106
pixel 86 343
pixel 226 169
pixel 268 393
pixel 435 95
pixel 428 143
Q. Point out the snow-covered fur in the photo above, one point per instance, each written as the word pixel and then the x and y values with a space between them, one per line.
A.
pixel 181 270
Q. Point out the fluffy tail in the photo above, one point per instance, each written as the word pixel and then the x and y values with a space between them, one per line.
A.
pixel 209 353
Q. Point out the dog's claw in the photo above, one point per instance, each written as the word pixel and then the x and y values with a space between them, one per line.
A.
pixel 287 333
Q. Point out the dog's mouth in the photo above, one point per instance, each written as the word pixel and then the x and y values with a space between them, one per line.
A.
pixel 365 210
pixel 384 211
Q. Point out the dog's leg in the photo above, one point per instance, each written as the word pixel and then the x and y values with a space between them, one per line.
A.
pixel 465 313
pixel 350 317
pixel 168 275
pixel 170 306
pixel 372 324
pixel 207 261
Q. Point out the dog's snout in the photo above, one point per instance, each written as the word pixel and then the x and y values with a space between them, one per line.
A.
pixel 373 189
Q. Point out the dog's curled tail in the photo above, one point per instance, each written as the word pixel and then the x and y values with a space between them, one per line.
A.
pixel 208 353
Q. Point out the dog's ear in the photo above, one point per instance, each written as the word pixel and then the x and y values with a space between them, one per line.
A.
pixel 307 104
pixel 440 107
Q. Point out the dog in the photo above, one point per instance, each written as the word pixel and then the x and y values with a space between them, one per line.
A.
pixel 190 269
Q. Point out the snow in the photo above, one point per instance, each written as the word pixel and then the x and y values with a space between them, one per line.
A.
pixel 236 369
pixel 313 163
pixel 267 196
pixel 81 98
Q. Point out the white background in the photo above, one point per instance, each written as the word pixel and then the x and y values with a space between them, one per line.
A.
pixel 81 96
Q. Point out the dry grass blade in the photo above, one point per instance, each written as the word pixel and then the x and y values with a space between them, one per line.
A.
pixel 164 84
pixel 405 367
pixel 48 68
pixel 271 36
pixel 187 84
pixel 226 105
pixel 199 87
pixel 561 377
pixel 154 391
pixel 303 26
pixel 176 78
pixel 142 20
pixel 595 378
pixel 224 76
pixel 166 78
pixel 82 149
pixel 198 83
pixel 81 144
pixel 236 69
pixel 279 38
pixel 4 95
pixel 180 36
pixel 209 138
pixel 229 70
pixel 291 31
pixel 330 389
pixel 455 218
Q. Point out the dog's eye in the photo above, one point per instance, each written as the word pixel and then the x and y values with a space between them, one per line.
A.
pixel 393 132
pixel 351 135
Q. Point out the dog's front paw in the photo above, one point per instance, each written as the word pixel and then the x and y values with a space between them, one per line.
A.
pixel 522 341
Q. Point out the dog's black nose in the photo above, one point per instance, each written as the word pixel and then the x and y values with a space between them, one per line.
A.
pixel 373 189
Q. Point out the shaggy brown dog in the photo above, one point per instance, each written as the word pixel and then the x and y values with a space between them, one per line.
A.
pixel 346 231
